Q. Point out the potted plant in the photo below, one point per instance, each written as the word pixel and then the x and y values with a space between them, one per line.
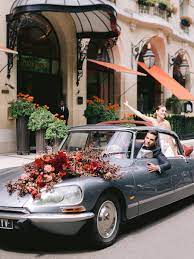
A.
pixel 186 21
pixel 147 2
pixel 110 112
pixel 164 5
pixel 39 121
pixel 94 110
pixel 56 131
pixel 173 104
pixel 20 110
pixel 98 111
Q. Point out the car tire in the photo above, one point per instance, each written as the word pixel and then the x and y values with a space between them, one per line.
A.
pixel 104 227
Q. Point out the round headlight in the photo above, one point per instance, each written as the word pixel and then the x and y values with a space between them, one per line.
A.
pixel 53 196
pixel 72 195
pixel 67 195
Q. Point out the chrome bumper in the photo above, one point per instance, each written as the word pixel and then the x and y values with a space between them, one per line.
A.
pixel 48 217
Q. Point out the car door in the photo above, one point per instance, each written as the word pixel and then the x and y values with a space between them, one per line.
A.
pixel 181 168
pixel 153 190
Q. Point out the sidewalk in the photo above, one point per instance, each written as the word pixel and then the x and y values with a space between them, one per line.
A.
pixel 13 160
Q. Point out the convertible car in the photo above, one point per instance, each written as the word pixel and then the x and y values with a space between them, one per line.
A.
pixel 94 205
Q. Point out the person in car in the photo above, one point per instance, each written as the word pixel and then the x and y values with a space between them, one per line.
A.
pixel 158 120
pixel 150 150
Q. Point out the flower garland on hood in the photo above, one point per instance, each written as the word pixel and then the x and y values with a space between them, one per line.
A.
pixel 50 169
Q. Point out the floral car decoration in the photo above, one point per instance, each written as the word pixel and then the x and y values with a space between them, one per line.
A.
pixel 50 169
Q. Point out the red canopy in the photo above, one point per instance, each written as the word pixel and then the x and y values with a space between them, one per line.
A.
pixel 168 82
pixel 117 68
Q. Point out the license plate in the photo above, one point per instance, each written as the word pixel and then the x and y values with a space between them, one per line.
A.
pixel 6 223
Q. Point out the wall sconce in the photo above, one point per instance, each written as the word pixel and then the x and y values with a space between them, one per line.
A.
pixel 183 66
pixel 148 57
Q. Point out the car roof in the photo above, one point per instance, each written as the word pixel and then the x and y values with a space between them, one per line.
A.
pixel 121 128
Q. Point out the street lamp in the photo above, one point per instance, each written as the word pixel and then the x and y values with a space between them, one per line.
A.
pixel 183 65
pixel 148 57
pixel 184 68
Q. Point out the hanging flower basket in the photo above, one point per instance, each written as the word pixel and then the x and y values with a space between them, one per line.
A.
pixel 164 5
pixel 147 2
pixel 186 21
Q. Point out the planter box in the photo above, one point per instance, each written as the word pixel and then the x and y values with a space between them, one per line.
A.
pixel 23 136
pixel 40 142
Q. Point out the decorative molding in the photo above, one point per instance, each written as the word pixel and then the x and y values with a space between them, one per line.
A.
pixel 132 26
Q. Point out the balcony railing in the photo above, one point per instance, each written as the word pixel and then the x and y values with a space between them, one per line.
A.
pixel 185 29
pixel 154 10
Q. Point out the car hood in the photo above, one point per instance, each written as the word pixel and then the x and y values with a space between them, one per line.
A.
pixel 13 200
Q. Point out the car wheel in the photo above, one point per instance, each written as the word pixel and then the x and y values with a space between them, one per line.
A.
pixel 104 227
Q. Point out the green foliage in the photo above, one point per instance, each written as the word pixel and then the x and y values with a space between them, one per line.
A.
pixel 173 104
pixel 109 115
pixel 94 110
pixel 40 119
pixel 151 2
pixel 163 4
pixel 98 111
pixel 182 125
pixel 56 129
pixel 147 2
pixel 21 108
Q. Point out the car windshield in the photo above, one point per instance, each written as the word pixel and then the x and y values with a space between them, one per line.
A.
pixel 107 141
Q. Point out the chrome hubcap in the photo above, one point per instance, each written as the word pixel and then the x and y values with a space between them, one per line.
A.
pixel 107 219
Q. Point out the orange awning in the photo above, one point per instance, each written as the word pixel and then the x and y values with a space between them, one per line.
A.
pixel 4 49
pixel 117 68
pixel 168 82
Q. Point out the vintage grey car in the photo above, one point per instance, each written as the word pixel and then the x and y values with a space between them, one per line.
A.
pixel 93 204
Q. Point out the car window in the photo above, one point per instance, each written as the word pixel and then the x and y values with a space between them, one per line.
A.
pixel 75 141
pixel 168 145
pixel 110 142
pixel 140 152
pixel 119 144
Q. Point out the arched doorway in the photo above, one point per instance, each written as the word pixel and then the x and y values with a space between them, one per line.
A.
pixel 173 103
pixel 176 70
pixel 148 89
pixel 38 65
pixel 100 80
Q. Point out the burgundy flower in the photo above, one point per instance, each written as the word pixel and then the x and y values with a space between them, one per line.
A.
pixel 48 170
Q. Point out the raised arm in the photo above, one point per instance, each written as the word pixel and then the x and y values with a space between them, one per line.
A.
pixel 139 114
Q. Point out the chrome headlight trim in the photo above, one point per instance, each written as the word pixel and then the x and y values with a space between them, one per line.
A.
pixel 68 195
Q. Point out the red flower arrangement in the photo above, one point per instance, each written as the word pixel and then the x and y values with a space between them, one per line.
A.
pixel 48 170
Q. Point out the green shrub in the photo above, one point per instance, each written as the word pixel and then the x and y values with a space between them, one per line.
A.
pixel 23 106
pixel 98 111
pixel 56 129
pixel 40 119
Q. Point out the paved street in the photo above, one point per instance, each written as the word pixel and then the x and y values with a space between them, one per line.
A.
pixel 165 234
pixel 13 160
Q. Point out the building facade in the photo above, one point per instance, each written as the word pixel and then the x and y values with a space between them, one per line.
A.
pixel 54 40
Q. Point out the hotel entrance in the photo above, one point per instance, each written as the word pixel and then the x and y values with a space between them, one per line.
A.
pixel 39 63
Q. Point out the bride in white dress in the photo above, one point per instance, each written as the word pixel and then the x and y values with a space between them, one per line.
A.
pixel 167 145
